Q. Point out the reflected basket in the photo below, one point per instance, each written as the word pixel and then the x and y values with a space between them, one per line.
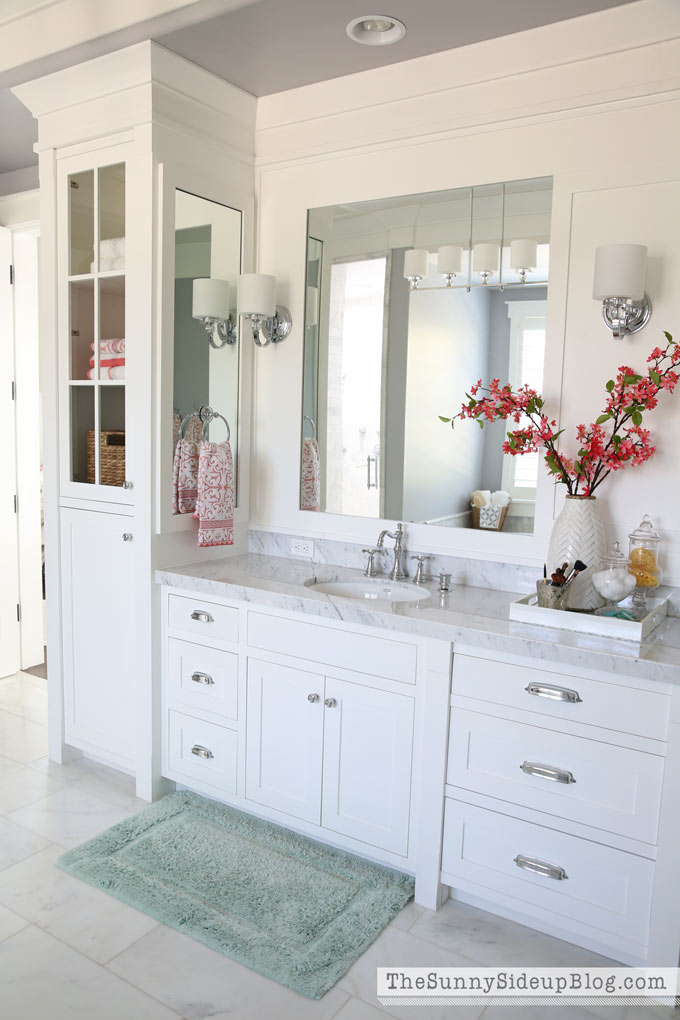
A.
pixel 111 457
pixel 489 517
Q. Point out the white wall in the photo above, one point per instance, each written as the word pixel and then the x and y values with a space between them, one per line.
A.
pixel 557 101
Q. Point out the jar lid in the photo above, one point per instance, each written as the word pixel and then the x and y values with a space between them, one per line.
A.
pixel 645 531
pixel 615 558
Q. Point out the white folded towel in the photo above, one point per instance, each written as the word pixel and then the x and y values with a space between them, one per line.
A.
pixel 500 498
pixel 112 247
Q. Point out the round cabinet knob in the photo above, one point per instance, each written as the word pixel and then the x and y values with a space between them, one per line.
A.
pixel 127 536
pixel 127 485
pixel 330 702
pixel 312 697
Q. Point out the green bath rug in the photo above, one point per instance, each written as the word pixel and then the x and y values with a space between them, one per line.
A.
pixel 292 909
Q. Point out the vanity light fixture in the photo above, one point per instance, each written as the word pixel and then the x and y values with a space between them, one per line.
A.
pixel 415 265
pixel 210 305
pixel 485 259
pixel 271 323
pixel 523 257
pixel 376 30
pixel 619 283
pixel 450 262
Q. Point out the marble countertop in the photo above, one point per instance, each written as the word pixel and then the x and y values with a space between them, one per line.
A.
pixel 474 616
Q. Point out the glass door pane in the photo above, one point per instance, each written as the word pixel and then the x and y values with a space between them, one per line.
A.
pixel 112 218
pixel 81 223
pixel 82 329
pixel 112 328
pixel 112 435
pixel 83 457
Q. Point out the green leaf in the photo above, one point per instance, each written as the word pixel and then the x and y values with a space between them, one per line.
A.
pixel 668 336
pixel 630 380
pixel 637 418
pixel 442 418
pixel 480 422
pixel 603 418
pixel 655 377
pixel 610 385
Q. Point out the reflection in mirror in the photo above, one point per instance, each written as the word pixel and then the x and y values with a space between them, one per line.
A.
pixel 410 301
pixel 206 353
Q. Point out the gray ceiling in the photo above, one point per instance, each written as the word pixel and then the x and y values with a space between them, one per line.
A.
pixel 273 45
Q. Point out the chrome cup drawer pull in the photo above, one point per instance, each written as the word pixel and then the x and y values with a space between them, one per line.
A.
pixel 555 693
pixel 534 768
pixel 202 678
pixel 540 867
pixel 201 617
pixel 202 752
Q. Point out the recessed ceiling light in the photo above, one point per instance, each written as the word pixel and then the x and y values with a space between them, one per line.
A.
pixel 376 30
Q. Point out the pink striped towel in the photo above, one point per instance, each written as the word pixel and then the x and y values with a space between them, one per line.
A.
pixel 215 501
pixel 185 477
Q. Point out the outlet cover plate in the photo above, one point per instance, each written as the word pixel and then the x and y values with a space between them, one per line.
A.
pixel 298 547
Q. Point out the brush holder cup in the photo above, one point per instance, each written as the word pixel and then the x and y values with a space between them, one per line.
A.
pixel 551 596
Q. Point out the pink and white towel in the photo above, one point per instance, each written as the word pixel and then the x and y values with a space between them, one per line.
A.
pixel 310 488
pixel 111 359
pixel 215 501
pixel 185 477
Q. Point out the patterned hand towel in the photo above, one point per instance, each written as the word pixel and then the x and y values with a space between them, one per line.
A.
pixel 185 477
pixel 310 489
pixel 215 502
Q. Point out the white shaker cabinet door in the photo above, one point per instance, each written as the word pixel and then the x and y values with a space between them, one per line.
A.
pixel 99 627
pixel 368 747
pixel 284 739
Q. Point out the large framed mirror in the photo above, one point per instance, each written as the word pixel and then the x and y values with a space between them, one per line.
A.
pixel 409 301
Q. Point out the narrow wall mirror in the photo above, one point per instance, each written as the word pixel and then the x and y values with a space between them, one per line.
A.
pixel 206 343
pixel 410 301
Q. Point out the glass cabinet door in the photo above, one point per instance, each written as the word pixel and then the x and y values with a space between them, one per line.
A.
pixel 96 296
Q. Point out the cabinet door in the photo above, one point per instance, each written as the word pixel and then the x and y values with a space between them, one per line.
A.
pixel 99 633
pixel 284 739
pixel 368 747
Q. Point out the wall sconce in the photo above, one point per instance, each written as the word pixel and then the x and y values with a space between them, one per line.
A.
pixel 619 282
pixel 450 262
pixel 210 306
pixel 415 265
pixel 485 259
pixel 257 302
pixel 523 258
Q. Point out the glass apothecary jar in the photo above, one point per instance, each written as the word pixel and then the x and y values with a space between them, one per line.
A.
pixel 614 580
pixel 644 562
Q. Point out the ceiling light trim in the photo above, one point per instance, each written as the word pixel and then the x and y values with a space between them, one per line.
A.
pixel 370 30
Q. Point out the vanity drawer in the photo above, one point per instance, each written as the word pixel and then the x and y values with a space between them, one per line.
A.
pixel 608 787
pixel 196 616
pixel 578 881
pixel 203 751
pixel 394 660
pixel 203 677
pixel 561 696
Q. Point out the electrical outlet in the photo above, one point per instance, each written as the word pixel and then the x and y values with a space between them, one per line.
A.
pixel 299 547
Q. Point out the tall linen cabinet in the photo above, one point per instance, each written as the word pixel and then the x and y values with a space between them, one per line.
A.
pixel 117 137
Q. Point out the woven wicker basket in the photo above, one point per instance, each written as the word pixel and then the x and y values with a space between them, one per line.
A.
pixel 501 520
pixel 111 457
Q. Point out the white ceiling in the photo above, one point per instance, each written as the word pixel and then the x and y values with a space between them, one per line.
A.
pixel 270 46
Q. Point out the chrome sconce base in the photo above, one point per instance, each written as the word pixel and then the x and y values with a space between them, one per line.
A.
pixel 272 329
pixel 220 331
pixel 624 316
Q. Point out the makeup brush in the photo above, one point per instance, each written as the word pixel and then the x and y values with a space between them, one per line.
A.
pixel 577 569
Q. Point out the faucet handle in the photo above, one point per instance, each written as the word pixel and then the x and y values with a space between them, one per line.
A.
pixel 371 569
pixel 420 577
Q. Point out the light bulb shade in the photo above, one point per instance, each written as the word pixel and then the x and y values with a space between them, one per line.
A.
pixel 210 299
pixel 415 263
pixel 450 259
pixel 523 254
pixel 312 307
pixel 620 271
pixel 485 258
pixel 257 294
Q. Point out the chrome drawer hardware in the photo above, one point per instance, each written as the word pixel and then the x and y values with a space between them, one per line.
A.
pixel 127 536
pixel 312 697
pixel 555 693
pixel 202 752
pixel 201 617
pixel 540 867
pixel 533 768
pixel 127 485
pixel 202 678
pixel 330 702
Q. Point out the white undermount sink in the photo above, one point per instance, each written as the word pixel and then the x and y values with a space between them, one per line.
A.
pixel 377 588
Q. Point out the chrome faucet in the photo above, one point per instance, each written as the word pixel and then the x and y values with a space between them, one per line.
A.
pixel 397 573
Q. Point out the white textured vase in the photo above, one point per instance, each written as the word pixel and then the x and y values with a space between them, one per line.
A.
pixel 578 534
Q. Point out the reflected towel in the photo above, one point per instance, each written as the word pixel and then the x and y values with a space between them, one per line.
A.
pixel 185 477
pixel 215 501
pixel 110 346
pixel 109 371
pixel 310 488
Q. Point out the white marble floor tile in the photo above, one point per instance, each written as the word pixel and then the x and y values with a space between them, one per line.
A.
pixel 68 817
pixel 22 786
pixel 562 1012
pixel 355 1009
pixel 10 923
pixel 115 787
pixel 494 941
pixel 651 1012
pixel 200 983
pixel 76 913
pixel 26 696
pixel 42 979
pixel 407 917
pixel 20 739
pixel 16 843
pixel 399 948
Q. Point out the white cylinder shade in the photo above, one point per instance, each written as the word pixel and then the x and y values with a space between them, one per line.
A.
pixel 257 294
pixel 450 259
pixel 210 299
pixel 415 263
pixel 312 307
pixel 620 271
pixel 485 258
pixel 523 254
